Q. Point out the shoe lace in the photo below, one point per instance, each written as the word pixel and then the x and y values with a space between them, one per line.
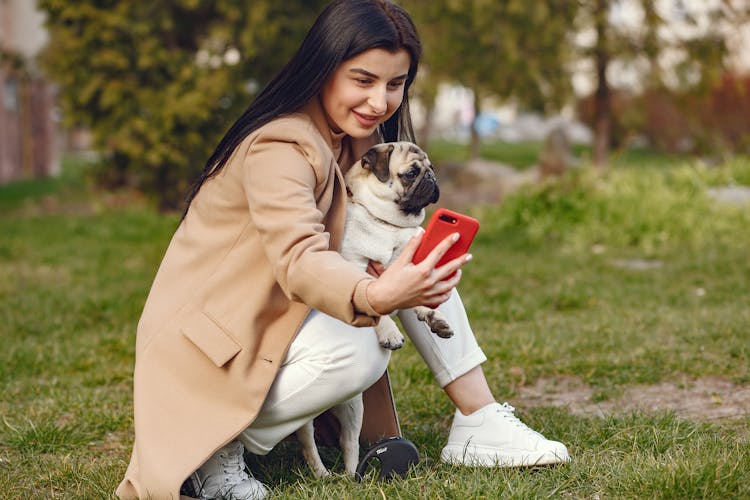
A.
pixel 233 464
pixel 506 411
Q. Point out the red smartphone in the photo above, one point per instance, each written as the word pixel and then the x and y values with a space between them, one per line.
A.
pixel 443 223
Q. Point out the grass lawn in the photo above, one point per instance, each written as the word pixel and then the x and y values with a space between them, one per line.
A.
pixel 617 282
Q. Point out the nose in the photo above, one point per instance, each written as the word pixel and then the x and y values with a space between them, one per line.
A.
pixel 378 100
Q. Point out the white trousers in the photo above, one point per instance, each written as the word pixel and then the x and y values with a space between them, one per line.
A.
pixel 330 361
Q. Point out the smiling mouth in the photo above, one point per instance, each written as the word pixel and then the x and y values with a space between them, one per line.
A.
pixel 366 119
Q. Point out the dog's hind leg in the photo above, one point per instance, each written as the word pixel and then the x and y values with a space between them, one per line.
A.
pixel 350 413
pixel 306 436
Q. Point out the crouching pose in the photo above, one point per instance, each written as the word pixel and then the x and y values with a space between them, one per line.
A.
pixel 254 322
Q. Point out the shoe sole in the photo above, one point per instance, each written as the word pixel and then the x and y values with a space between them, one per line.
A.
pixel 489 457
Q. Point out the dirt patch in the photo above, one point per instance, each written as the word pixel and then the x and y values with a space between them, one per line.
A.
pixel 707 398
pixel 73 203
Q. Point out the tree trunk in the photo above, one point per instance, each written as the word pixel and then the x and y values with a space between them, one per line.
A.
pixel 425 131
pixel 428 95
pixel 602 100
pixel 476 142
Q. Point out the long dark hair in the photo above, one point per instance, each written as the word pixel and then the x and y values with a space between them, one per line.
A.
pixel 344 29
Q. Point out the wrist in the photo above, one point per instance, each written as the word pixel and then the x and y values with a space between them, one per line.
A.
pixel 360 301
pixel 373 298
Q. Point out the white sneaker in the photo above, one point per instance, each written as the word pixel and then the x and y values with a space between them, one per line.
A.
pixel 493 436
pixel 224 477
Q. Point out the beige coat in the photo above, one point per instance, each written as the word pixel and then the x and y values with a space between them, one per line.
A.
pixel 255 252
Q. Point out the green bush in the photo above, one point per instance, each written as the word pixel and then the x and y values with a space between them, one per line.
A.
pixel 649 210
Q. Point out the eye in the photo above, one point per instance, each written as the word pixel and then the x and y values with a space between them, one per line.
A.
pixel 395 85
pixel 411 174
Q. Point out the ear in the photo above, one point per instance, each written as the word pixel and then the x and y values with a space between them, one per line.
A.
pixel 377 160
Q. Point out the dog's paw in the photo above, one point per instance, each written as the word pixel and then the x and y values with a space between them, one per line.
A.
pixel 441 328
pixel 436 321
pixel 389 336
pixel 321 473
pixel 391 341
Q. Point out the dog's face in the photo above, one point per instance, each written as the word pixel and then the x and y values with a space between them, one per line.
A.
pixel 397 177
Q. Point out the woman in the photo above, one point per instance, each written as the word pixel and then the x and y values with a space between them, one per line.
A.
pixel 253 324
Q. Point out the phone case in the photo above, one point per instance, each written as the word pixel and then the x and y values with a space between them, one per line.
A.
pixel 443 223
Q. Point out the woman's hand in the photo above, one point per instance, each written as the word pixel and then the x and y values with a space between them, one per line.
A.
pixel 405 284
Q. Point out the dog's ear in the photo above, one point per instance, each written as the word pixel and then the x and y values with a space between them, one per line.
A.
pixel 377 160
pixel 414 149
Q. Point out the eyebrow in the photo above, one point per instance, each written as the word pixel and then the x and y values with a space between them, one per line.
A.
pixel 373 75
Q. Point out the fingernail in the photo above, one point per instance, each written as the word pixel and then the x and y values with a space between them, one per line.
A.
pixel 455 236
pixel 469 257
pixel 420 230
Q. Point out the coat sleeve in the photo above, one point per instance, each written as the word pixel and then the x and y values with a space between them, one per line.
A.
pixel 280 176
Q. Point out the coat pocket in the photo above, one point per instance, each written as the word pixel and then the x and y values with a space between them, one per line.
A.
pixel 211 339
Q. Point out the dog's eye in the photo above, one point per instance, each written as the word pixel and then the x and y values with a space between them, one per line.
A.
pixel 412 173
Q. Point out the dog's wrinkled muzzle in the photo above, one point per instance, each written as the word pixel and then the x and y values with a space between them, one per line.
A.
pixel 424 192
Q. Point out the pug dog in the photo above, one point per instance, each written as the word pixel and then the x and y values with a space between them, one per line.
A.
pixel 387 192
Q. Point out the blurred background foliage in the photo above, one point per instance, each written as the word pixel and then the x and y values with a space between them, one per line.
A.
pixel 159 83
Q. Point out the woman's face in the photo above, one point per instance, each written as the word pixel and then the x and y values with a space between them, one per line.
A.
pixel 365 91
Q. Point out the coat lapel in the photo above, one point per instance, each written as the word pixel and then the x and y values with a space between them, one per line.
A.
pixel 337 213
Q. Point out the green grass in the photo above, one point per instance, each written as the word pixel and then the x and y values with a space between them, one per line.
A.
pixel 547 293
